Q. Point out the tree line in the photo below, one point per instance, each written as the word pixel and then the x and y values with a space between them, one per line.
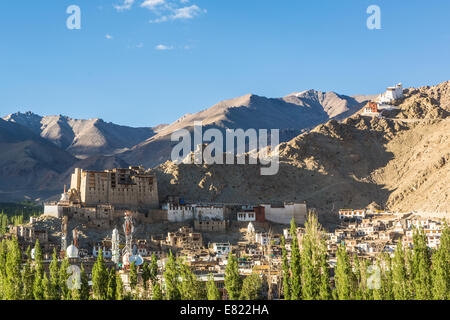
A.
pixel 418 273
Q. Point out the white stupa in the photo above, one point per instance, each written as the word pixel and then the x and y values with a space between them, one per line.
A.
pixel 72 251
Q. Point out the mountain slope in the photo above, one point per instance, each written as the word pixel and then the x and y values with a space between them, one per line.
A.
pixel 82 138
pixel 401 163
pixel 28 163
pixel 292 114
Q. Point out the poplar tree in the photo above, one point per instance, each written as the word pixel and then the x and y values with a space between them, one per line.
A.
pixel 133 276
pixel 296 271
pixel 27 281
pixel 359 290
pixel 99 278
pixel 441 267
pixel 410 273
pixel 145 275
pixel 84 289
pixel 119 288
pixel 421 266
pixel 3 252
pixel 13 267
pixel 54 278
pixel 156 291
pixel 399 276
pixel 112 285
pixel 378 293
pixel 325 287
pixel 251 288
pixel 286 272
pixel 311 258
pixel 388 293
pixel 153 270
pixel 46 287
pixel 63 277
pixel 191 288
pixel 171 277
pixel 211 289
pixel 343 275
pixel 233 281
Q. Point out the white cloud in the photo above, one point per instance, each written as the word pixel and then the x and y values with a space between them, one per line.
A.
pixel 181 13
pixel 187 12
pixel 126 5
pixel 109 37
pixel 151 4
pixel 162 47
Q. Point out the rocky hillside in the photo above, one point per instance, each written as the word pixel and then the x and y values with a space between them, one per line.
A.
pixel 400 162
pixel 292 114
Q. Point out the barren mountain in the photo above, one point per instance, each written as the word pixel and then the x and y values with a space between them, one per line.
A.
pixel 28 163
pixel 400 162
pixel 83 138
pixel 292 114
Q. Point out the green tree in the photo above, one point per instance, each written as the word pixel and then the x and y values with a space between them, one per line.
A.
pixel 153 267
pixel 312 250
pixel 441 267
pixel 399 275
pixel 286 271
pixel 54 278
pixel 421 266
pixel 46 287
pixel 119 288
pixel 211 288
pixel 112 285
pixel 63 277
pixel 156 291
pixel 84 290
pixel 27 281
pixel 251 288
pixel 100 278
pixel 296 269
pixel 145 275
pixel 233 281
pixel 38 258
pixel 324 286
pixel 13 267
pixel 133 276
pixel 191 288
pixel 343 275
pixel 171 277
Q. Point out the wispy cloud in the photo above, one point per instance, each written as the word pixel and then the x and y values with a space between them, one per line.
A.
pixel 109 37
pixel 125 5
pixel 169 10
pixel 162 47
pixel 151 4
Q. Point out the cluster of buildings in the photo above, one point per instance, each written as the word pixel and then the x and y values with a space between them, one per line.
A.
pixel 102 199
pixel 370 232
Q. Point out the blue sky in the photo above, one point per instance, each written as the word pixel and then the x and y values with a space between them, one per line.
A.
pixel 214 50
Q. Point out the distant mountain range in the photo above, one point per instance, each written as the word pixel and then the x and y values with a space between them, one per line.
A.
pixel 39 152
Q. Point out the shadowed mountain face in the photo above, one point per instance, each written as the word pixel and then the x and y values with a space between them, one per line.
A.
pixel 28 162
pixel 82 138
pixel 292 114
pixel 400 162
pixel 31 166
